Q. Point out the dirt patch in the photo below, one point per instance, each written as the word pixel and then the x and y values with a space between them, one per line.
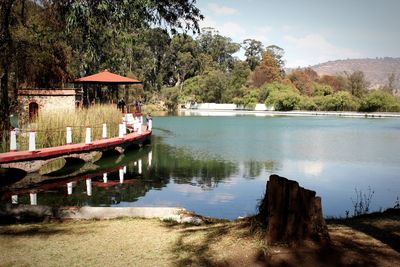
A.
pixel 150 242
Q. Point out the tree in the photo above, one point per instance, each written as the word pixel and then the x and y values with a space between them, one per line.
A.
pixel 253 52
pixel 304 80
pixel 356 83
pixel 220 48
pixel 268 71
pixel 5 62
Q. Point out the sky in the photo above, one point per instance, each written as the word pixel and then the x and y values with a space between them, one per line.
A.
pixel 310 31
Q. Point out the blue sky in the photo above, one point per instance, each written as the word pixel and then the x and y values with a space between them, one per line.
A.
pixel 310 31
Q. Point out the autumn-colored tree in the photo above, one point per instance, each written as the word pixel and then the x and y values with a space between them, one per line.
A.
pixel 268 71
pixel 337 82
pixel 304 79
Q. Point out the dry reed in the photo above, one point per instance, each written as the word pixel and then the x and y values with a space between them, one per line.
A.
pixel 50 126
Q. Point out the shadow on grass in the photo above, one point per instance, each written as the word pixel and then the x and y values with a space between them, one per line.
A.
pixel 200 245
pixel 222 244
pixel 369 224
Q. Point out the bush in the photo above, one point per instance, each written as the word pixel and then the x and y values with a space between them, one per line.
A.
pixel 339 101
pixel 379 100
pixel 322 89
pixel 283 100
pixel 307 103
pixel 171 95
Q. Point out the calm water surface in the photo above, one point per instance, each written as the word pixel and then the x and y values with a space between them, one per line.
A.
pixel 218 166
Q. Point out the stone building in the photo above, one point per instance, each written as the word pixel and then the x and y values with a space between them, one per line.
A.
pixel 33 101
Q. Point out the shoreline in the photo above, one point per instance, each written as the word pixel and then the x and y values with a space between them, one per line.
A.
pixel 231 112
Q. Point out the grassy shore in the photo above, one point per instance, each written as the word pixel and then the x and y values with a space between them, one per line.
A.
pixel 150 242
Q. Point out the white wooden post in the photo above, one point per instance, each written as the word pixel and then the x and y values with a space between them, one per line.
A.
pixel 13 140
pixel 89 187
pixel 14 199
pixel 121 131
pixel 104 133
pixel 69 188
pixel 32 141
pixel 135 163
pixel 140 166
pixel 88 139
pixel 124 128
pixel 33 198
pixel 105 178
pixel 69 135
pixel 140 129
pixel 150 157
pixel 150 125
pixel 121 176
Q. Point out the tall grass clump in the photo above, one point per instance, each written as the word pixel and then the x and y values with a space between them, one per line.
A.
pixel 50 125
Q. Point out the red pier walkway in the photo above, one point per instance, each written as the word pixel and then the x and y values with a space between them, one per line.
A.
pixel 52 152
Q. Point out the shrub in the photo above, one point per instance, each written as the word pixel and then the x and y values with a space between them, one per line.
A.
pixel 379 100
pixel 307 103
pixel 283 100
pixel 339 101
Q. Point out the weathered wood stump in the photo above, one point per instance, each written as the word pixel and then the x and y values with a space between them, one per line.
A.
pixel 291 213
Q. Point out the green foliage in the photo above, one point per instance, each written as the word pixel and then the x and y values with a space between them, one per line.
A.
pixel 282 97
pixel 253 52
pixel 171 95
pixel 321 89
pixel 356 83
pixel 379 100
pixel 339 101
pixel 307 103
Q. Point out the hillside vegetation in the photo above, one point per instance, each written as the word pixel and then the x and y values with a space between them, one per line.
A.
pixel 377 71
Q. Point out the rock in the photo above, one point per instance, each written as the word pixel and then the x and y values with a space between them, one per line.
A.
pixel 291 213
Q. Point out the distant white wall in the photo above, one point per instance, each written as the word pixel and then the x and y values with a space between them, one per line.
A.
pixel 215 106
pixel 263 107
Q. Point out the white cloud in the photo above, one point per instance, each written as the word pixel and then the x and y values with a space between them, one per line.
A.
pixel 222 10
pixel 315 48
pixel 264 30
pixel 228 29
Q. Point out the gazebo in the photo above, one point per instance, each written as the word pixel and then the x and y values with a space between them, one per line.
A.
pixel 105 78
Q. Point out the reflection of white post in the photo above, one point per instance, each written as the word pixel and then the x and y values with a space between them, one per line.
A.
pixel 69 188
pixel 13 140
pixel 32 141
pixel 150 157
pixel 14 199
pixel 121 131
pixel 121 176
pixel 89 187
pixel 105 178
pixel 140 166
pixel 140 129
pixel 69 135
pixel 150 125
pixel 135 163
pixel 33 197
pixel 88 136
pixel 124 169
pixel 104 133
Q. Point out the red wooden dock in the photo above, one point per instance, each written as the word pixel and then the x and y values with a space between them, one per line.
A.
pixel 104 144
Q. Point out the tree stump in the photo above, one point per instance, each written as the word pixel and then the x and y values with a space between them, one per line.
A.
pixel 291 213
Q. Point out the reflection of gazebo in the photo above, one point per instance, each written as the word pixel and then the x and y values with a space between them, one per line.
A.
pixel 107 78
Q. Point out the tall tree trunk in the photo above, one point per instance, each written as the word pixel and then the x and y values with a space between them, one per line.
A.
pixel 5 61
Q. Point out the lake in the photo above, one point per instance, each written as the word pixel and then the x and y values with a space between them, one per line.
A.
pixel 218 165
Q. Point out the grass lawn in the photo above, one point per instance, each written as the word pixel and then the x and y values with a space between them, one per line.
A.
pixel 150 242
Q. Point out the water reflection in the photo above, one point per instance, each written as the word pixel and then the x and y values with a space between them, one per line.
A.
pixel 217 167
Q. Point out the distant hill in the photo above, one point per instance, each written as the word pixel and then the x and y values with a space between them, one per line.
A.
pixel 377 71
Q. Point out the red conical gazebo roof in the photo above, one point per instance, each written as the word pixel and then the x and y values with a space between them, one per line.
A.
pixel 106 77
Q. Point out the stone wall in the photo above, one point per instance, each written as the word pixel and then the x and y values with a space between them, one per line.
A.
pixel 47 99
